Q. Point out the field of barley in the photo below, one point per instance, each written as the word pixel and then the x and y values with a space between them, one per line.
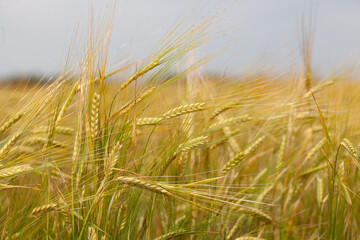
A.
pixel 151 150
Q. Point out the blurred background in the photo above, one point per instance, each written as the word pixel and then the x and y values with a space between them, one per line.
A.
pixel 35 35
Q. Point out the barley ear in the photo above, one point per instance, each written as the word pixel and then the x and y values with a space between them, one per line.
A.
pixel 43 209
pixel 319 190
pixel 9 144
pixel 240 156
pixel 249 238
pixel 188 108
pixel 135 182
pixel 94 124
pixel 138 74
pixel 280 156
pixel 171 235
pixel 11 171
pixel 11 122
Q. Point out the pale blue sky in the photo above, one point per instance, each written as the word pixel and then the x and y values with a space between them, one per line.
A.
pixel 35 34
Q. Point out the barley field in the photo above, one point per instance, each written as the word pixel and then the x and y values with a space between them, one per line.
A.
pixel 151 150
